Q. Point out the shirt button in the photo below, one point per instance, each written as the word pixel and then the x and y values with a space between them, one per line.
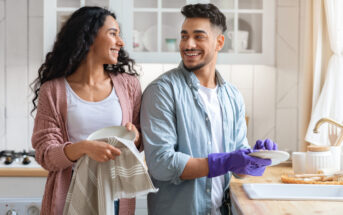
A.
pixel 209 143
pixel 208 190
pixel 206 118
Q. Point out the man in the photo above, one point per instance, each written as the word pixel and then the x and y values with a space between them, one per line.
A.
pixel 193 124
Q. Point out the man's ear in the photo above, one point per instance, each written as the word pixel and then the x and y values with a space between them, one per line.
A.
pixel 220 42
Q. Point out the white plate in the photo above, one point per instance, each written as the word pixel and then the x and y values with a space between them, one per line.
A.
pixel 150 37
pixel 276 156
pixel 294 191
pixel 118 131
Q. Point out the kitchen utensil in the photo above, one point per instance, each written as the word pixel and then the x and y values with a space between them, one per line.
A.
pixel 333 135
pixel 276 156
pixel 340 139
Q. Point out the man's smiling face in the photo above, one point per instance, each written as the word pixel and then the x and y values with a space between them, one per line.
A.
pixel 198 45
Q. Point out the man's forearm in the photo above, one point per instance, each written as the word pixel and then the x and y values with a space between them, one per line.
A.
pixel 195 168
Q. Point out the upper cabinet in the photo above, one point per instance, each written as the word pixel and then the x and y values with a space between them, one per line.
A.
pixel 56 12
pixel 151 28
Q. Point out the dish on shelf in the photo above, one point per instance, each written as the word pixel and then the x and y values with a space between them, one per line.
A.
pixel 276 156
pixel 150 37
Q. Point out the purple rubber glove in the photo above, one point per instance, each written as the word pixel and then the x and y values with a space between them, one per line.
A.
pixel 266 144
pixel 238 162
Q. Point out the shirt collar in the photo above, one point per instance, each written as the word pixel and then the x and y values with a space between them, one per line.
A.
pixel 193 81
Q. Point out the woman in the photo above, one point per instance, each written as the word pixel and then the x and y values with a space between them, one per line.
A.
pixel 87 82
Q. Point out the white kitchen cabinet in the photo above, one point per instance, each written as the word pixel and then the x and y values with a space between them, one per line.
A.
pixel 56 12
pixel 151 28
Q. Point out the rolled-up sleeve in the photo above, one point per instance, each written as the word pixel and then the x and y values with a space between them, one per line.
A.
pixel 158 124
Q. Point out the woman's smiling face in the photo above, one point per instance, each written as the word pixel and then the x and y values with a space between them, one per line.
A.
pixel 107 42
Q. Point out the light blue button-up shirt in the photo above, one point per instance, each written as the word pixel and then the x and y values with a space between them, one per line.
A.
pixel 175 127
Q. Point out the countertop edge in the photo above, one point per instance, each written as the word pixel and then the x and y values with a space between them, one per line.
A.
pixel 23 172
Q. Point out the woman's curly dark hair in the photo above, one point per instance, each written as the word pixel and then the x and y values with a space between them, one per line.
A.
pixel 71 48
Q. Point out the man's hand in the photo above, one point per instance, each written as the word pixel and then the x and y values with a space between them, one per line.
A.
pixel 266 144
pixel 238 162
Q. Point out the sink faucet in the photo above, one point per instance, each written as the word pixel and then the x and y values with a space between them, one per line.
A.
pixel 328 120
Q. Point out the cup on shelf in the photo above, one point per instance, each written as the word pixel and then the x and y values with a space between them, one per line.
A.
pixel 298 162
pixel 171 44
pixel 242 40
pixel 137 41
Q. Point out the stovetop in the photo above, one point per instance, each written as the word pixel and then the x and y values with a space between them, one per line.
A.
pixel 18 159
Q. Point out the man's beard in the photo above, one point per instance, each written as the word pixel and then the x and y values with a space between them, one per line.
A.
pixel 194 68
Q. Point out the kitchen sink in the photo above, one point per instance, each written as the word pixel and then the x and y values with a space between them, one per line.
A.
pixel 294 191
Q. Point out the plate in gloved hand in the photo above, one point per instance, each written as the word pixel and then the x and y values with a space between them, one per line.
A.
pixel 276 156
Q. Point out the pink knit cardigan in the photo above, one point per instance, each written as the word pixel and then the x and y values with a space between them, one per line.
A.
pixel 50 136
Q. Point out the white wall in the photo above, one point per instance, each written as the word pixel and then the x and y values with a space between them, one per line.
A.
pixel 21 39
pixel 270 93
pixel 287 75
pixel 2 73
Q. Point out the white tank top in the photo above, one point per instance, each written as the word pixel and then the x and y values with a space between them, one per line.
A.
pixel 84 117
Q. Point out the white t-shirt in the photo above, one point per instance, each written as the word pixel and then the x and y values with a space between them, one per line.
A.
pixel 210 99
pixel 85 117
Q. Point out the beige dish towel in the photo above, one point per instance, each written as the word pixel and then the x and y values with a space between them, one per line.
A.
pixel 96 185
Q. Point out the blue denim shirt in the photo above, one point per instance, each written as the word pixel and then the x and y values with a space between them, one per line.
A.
pixel 175 127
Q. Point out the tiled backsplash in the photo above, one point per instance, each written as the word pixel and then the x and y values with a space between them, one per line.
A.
pixel 270 93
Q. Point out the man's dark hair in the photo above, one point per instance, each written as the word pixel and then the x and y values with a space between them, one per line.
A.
pixel 208 11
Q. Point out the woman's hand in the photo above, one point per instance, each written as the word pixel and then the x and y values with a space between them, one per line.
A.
pixel 101 151
pixel 131 127
pixel 97 150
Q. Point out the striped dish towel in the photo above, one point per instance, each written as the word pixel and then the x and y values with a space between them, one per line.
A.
pixel 96 185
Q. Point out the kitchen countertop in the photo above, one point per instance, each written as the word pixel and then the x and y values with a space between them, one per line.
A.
pixel 244 205
pixel 23 172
